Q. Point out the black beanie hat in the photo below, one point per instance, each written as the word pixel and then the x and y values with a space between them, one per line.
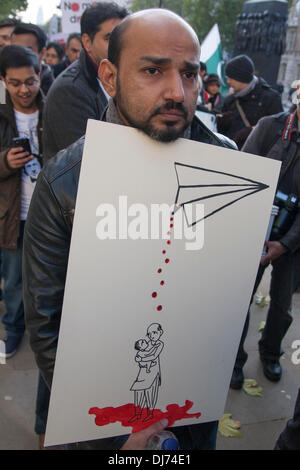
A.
pixel 240 68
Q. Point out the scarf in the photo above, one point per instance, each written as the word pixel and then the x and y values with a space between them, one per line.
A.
pixel 248 89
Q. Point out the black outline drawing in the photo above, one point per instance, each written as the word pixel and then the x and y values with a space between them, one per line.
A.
pixel 251 185
pixel 148 380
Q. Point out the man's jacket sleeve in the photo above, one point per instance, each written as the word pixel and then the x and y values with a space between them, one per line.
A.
pixel 65 118
pixel 45 259
pixel 258 143
pixel 5 170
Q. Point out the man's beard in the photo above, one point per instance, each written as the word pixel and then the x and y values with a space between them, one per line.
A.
pixel 170 133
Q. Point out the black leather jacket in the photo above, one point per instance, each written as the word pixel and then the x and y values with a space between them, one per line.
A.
pixel 47 242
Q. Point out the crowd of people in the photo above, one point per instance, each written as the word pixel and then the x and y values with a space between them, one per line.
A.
pixel 51 92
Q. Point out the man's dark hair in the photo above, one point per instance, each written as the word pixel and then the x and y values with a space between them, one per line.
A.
pixel 29 28
pixel 8 22
pixel 95 15
pixel 58 48
pixel 17 57
pixel 203 67
pixel 76 36
pixel 116 42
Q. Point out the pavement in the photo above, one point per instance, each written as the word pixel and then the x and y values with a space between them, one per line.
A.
pixel 262 418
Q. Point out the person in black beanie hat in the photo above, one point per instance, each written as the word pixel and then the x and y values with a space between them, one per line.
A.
pixel 240 69
pixel 252 99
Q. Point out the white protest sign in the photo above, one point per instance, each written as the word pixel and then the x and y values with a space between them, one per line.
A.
pixel 71 14
pixel 155 300
pixel 72 11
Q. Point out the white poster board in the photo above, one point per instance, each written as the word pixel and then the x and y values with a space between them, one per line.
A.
pixel 2 93
pixel 116 286
pixel 72 11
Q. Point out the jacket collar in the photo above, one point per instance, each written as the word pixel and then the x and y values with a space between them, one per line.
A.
pixel 89 69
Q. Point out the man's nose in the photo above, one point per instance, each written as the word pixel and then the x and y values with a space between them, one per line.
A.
pixel 174 88
pixel 23 88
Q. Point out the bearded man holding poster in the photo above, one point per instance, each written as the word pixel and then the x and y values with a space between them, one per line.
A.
pixel 154 86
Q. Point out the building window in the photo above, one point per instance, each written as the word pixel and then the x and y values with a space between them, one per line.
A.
pixel 291 37
pixel 282 73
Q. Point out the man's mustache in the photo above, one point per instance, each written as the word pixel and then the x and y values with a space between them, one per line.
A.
pixel 171 105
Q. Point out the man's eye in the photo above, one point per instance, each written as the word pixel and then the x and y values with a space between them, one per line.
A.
pixel 152 71
pixel 190 75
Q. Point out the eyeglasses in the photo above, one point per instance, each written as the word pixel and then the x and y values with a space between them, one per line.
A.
pixel 5 37
pixel 29 83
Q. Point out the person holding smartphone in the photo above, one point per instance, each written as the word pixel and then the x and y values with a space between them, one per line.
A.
pixel 20 163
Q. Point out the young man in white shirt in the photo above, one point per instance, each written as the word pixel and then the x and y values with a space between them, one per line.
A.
pixel 21 116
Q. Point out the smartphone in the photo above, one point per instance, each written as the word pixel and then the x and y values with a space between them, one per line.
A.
pixel 22 142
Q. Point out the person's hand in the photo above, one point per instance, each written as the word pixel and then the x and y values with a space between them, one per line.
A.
pixel 138 440
pixel 17 158
pixel 275 249
pixel 224 121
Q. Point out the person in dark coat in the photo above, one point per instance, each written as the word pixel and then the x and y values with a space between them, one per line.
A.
pixel 20 116
pixel 289 439
pixel 73 49
pixel 54 54
pixel 252 99
pixel 215 99
pixel 276 137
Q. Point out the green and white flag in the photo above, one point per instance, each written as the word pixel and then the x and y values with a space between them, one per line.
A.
pixel 212 55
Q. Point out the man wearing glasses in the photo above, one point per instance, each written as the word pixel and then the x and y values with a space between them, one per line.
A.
pixel 21 116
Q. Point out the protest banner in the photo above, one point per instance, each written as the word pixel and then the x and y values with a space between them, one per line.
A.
pixel 166 243
pixel 72 11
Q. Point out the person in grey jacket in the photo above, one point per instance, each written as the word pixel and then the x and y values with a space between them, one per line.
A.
pixel 77 94
pixel 276 137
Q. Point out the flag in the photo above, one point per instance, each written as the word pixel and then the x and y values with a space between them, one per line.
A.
pixel 212 55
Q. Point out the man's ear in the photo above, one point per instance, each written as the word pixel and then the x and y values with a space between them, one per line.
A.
pixel 42 54
pixel 86 42
pixel 107 73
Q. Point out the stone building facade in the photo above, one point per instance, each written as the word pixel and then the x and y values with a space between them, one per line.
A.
pixel 289 70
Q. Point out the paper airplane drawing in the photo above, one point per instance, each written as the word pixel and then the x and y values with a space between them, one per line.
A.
pixel 216 188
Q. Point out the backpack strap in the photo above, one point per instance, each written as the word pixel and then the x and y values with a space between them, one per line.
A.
pixel 242 114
